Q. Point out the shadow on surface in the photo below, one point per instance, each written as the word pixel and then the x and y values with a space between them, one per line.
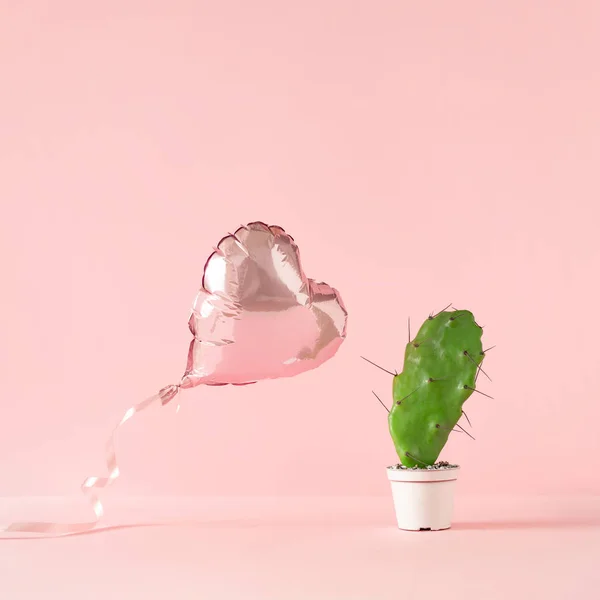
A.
pixel 237 523
pixel 322 523
pixel 508 525
pixel 557 523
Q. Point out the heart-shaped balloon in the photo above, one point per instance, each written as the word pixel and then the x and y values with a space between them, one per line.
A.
pixel 257 315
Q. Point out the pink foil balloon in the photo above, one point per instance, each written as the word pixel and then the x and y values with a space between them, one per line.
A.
pixel 257 315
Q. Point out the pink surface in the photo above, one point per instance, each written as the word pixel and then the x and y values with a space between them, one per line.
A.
pixel 419 155
pixel 318 548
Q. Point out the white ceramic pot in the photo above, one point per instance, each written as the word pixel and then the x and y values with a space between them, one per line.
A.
pixel 423 498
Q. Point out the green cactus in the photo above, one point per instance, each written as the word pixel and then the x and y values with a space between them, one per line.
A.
pixel 441 365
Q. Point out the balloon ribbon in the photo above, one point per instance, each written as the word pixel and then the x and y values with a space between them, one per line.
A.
pixel 91 485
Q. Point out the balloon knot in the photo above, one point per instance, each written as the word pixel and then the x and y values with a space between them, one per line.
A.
pixel 168 393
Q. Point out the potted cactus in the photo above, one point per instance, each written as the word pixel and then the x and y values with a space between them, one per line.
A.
pixel 441 367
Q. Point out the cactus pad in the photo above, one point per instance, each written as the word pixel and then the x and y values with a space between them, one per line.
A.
pixel 440 368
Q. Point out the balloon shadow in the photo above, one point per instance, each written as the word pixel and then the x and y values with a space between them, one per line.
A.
pixel 224 523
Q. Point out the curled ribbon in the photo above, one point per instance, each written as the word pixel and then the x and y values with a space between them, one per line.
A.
pixel 91 485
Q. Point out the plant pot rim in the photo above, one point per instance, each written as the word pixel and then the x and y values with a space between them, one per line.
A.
pixel 423 469
pixel 440 475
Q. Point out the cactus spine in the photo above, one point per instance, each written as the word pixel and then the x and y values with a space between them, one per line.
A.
pixel 440 368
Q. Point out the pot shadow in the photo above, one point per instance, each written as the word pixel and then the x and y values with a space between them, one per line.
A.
pixel 557 523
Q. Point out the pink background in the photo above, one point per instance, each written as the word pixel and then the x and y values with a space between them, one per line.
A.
pixel 420 153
